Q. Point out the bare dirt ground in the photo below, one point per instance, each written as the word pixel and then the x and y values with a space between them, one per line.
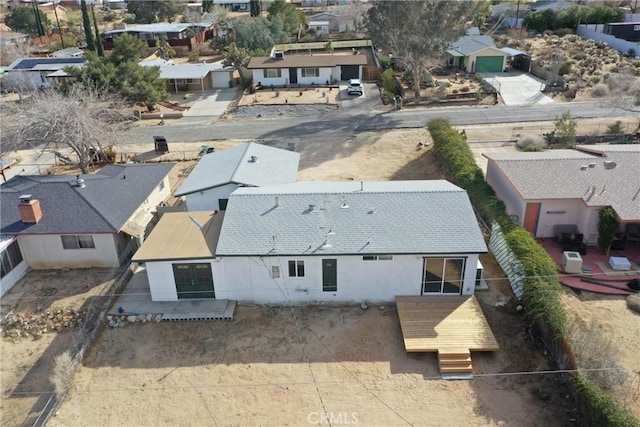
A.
pixel 609 316
pixel 320 95
pixel 27 360
pixel 275 366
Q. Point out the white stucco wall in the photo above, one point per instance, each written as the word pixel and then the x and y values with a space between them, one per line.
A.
pixel 45 251
pixel 207 200
pixel 16 273
pixel 325 75
pixel 249 279
pixel 554 212
pixel 258 77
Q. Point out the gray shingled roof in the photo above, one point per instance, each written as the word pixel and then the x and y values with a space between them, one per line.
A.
pixel 234 165
pixel 565 174
pixel 468 45
pixel 104 205
pixel 397 217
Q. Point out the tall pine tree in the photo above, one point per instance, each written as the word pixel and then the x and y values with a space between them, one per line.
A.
pixel 255 7
pixel 98 38
pixel 86 23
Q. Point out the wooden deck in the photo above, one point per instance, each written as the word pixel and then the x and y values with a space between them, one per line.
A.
pixel 453 326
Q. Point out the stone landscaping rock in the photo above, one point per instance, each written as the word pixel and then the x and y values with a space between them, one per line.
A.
pixel 132 319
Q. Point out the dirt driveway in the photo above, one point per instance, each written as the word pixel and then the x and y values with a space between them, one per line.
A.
pixel 278 366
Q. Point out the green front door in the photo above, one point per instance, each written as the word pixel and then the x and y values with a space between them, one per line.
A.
pixel 193 281
pixel 329 275
pixel 489 64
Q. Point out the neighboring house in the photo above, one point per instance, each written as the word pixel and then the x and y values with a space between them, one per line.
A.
pixel 218 174
pixel 282 69
pixel 555 187
pixel 319 242
pixel 554 5
pixel 10 38
pixel 178 35
pixel 96 220
pixel 476 54
pixel 320 27
pixel 337 23
pixel 192 77
pixel 234 5
pixel 41 72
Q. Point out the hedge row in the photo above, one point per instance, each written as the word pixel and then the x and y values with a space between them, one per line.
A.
pixel 542 290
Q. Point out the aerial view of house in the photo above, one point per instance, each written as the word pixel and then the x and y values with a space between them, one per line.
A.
pixel 321 241
pixel 319 212
pixel 559 187
pixel 220 173
pixel 95 220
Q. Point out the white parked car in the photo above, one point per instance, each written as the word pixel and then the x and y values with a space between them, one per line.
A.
pixel 355 87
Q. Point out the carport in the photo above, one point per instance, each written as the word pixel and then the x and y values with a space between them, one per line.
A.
pixel 519 60
pixel 181 74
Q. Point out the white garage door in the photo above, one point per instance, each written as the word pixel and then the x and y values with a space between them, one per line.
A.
pixel 220 78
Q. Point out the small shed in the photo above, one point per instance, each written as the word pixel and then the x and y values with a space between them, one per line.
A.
pixel 518 60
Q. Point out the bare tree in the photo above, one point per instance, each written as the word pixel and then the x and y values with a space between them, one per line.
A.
pixel 82 120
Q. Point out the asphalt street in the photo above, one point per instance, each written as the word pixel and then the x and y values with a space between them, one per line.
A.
pixel 344 123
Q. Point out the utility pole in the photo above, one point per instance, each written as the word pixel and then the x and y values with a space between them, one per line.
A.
pixel 36 11
pixel 55 12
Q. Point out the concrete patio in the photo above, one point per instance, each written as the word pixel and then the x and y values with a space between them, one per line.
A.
pixel 136 300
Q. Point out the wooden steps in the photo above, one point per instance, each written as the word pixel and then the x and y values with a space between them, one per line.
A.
pixel 455 361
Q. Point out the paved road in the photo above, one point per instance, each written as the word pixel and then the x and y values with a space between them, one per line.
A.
pixel 343 123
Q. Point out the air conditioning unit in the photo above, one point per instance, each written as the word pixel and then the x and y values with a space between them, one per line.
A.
pixel 571 262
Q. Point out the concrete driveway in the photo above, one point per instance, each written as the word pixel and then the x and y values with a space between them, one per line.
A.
pixel 518 88
pixel 208 106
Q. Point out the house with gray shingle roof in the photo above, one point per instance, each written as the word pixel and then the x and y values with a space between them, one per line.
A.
pixel 557 187
pixel 93 220
pixel 476 54
pixel 320 242
pixel 218 174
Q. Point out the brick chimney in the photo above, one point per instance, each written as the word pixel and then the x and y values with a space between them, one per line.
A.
pixel 30 211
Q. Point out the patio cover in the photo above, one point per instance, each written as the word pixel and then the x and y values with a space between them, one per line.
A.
pixel 455 53
pixel 513 52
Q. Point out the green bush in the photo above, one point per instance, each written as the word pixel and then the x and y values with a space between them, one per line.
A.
pixel 542 290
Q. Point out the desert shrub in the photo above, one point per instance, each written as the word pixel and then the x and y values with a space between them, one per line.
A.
pixel 62 373
pixel 385 62
pixel 465 89
pixel 579 56
pixel 594 80
pixel 600 90
pixel 194 55
pixel 594 350
pixel 565 68
pixel 532 148
pixel 531 141
pixel 615 129
pixel 454 91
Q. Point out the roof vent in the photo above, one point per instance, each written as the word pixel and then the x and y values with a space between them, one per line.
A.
pixel 584 167
pixel 277 202
pixel 253 159
pixel 80 182
pixel 312 208
pixel 608 164
pixel 592 165
pixel 344 206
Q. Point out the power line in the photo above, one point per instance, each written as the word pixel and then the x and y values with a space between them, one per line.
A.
pixel 317 382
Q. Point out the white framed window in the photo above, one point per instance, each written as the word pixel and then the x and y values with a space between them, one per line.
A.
pixel 377 258
pixel 296 268
pixel 161 186
pixel 636 28
pixel 77 241
pixel 311 72
pixel 271 73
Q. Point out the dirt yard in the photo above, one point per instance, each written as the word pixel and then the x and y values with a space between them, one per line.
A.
pixel 28 352
pixel 320 95
pixel 277 366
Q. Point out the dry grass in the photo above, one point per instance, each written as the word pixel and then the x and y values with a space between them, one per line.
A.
pixel 62 373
